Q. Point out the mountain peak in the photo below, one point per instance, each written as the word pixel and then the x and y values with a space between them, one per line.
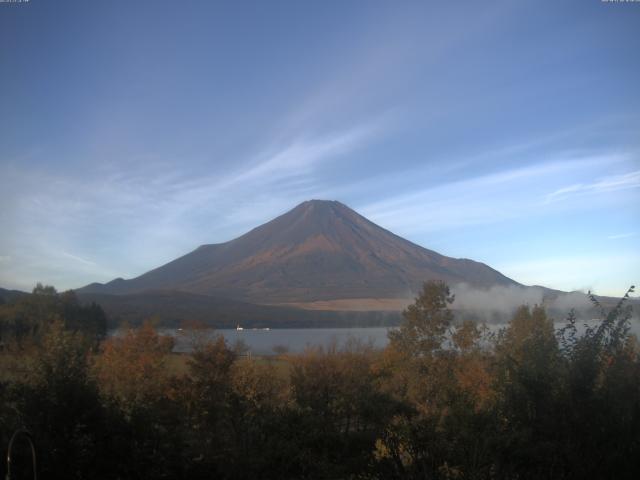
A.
pixel 316 201
pixel 322 206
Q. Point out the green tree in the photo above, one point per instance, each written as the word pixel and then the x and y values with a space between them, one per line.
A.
pixel 205 394
pixel 529 382
pixel 59 403
pixel 259 401
pixel 601 412
pixel 426 321
pixel 337 399
pixel 24 320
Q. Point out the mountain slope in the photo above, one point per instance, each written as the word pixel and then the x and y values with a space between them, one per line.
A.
pixel 320 250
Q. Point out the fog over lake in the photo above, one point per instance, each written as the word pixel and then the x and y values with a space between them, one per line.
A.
pixel 295 340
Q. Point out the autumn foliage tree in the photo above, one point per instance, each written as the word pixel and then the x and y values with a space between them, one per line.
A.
pixel 134 382
pixel 443 377
pixel 132 366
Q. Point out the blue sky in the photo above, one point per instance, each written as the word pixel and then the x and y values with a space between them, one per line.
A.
pixel 507 132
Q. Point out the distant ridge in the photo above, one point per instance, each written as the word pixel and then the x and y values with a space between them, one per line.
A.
pixel 317 252
pixel 171 309
pixel 10 295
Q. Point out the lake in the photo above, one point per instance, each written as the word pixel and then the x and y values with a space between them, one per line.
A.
pixel 295 340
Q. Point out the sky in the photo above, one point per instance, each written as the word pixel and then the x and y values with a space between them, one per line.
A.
pixel 132 132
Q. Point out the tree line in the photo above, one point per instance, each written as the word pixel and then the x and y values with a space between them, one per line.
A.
pixel 445 399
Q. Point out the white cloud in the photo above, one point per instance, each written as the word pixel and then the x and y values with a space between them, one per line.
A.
pixel 622 235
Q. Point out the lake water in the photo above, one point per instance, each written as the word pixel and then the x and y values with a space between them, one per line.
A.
pixel 295 340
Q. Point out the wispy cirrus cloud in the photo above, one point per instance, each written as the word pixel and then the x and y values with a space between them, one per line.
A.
pixel 485 199
pixel 607 184
pixel 78 259
pixel 295 158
